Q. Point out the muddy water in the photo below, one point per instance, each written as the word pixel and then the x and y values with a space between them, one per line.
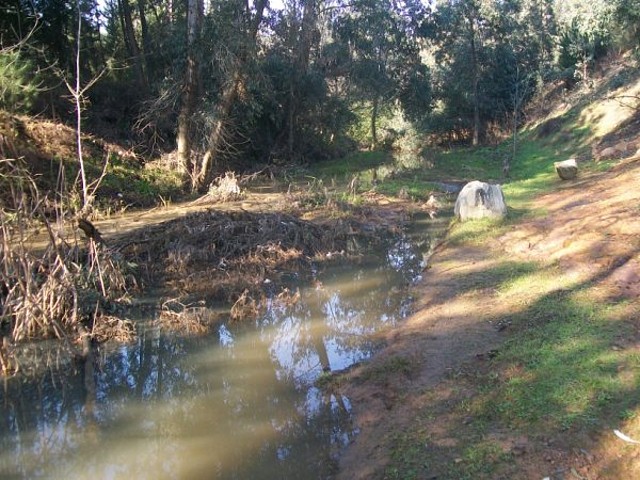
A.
pixel 239 403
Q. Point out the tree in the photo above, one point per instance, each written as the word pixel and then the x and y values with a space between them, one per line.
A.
pixel 457 30
pixel 627 16
pixel 233 83
pixel 189 88
pixel 132 43
pixel 78 92
pixel 302 34
pixel 585 34
pixel 489 56
pixel 384 63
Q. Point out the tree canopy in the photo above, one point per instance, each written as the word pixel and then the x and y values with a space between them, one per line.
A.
pixel 234 82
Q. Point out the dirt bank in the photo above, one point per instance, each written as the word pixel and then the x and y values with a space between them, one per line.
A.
pixel 434 362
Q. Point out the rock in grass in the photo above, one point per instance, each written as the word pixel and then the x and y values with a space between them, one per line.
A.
pixel 480 200
pixel 567 170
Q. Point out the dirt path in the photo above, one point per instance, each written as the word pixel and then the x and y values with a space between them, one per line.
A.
pixel 590 232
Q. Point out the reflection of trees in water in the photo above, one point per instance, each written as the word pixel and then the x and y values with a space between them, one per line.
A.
pixel 240 406
pixel 403 256
pixel 164 407
pixel 51 421
pixel 32 413
pixel 328 328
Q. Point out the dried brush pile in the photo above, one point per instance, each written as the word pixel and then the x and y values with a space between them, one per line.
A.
pixel 229 256
pixel 223 189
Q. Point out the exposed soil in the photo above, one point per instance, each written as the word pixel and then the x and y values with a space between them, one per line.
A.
pixel 591 230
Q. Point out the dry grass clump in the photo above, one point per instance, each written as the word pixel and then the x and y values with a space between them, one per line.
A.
pixel 50 294
pixel 252 305
pixel 223 189
pixel 247 306
pixel 191 319
pixel 108 327
pixel 58 290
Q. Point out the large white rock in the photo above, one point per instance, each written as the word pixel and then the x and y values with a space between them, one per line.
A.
pixel 567 170
pixel 480 200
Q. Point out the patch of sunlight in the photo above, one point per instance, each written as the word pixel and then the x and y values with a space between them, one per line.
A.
pixel 609 114
pixel 475 232
pixel 536 284
pixel 519 194
pixel 575 346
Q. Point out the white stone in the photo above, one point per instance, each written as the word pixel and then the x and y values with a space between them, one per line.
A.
pixel 480 200
pixel 567 170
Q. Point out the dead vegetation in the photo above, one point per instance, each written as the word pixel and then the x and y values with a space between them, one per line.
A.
pixel 223 189
pixel 74 287
pixel 189 319
pixel 235 257
pixel 60 291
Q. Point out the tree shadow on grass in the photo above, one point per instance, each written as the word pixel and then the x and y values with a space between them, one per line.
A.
pixel 563 379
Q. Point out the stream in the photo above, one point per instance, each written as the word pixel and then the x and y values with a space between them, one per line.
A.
pixel 241 402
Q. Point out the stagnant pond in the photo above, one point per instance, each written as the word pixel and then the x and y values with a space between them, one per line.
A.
pixel 239 403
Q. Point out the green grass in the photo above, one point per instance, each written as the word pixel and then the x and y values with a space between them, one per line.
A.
pixel 470 164
pixel 356 163
pixel 476 232
pixel 531 171
pixel 392 176
pixel 567 370
pixel 138 185
pixel 557 372
pixel 416 187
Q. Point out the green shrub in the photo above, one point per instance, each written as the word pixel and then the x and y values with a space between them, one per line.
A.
pixel 18 82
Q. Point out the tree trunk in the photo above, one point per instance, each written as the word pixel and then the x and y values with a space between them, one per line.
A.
pixel 132 43
pixel 476 84
pixel 218 132
pixel 374 123
pixel 301 66
pixel 306 34
pixel 227 100
pixel 189 90
pixel 291 114
pixel 146 39
pixel 516 108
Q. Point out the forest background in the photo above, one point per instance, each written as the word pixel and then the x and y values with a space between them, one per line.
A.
pixel 232 84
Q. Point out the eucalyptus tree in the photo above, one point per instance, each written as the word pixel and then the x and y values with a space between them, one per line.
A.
pixel 627 16
pixel 489 56
pixel 189 88
pixel 384 64
pixel 458 30
pixel 586 34
pixel 242 25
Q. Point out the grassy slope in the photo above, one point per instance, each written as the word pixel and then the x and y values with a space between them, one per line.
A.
pixel 557 376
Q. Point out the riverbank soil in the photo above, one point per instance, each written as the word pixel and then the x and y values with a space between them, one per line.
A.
pixel 523 354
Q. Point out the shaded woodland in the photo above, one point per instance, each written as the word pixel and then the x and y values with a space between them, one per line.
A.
pixel 241 84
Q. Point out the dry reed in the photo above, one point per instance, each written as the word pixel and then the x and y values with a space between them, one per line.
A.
pixel 55 290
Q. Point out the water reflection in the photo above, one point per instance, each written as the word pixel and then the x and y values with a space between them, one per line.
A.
pixel 237 404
